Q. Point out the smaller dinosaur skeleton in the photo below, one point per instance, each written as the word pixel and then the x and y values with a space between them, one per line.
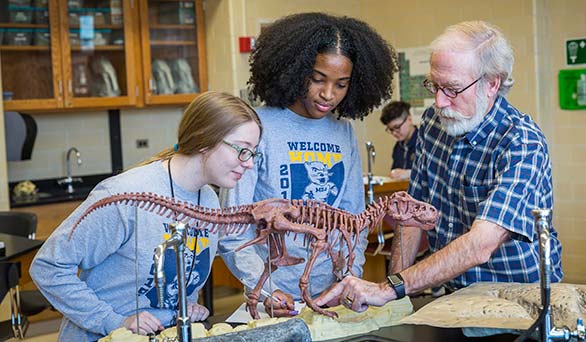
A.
pixel 323 227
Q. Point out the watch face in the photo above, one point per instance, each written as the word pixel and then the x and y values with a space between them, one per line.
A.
pixel 395 280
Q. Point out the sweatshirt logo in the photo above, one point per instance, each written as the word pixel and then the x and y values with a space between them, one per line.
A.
pixel 320 186
pixel 315 170
pixel 197 266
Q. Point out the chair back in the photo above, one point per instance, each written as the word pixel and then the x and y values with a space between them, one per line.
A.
pixel 8 277
pixel 18 223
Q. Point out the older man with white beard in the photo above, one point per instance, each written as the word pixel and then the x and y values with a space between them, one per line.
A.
pixel 483 164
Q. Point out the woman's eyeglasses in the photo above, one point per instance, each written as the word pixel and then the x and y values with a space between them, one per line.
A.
pixel 244 154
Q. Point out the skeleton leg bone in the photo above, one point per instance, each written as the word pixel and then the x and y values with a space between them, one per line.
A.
pixel 317 247
pixel 254 295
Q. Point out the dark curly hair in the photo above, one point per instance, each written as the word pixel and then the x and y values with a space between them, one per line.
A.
pixel 285 54
pixel 393 110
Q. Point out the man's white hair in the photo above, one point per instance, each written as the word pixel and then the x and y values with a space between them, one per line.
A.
pixel 493 53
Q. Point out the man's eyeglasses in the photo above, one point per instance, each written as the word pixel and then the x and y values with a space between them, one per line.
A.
pixel 397 127
pixel 432 87
pixel 244 154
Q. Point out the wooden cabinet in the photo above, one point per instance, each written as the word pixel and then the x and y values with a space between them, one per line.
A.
pixel 30 54
pixel 98 53
pixel 173 51
pixel 82 54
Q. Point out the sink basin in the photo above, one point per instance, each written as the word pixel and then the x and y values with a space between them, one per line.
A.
pixel 79 192
pixel 49 191
pixel 377 180
pixel 53 195
pixel 43 195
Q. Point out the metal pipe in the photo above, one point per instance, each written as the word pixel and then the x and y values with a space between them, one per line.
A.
pixel 371 154
pixel 183 321
pixel 542 221
pixel 159 261
pixel 177 242
pixel 546 331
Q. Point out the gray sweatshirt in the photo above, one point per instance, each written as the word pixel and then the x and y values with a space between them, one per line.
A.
pixel 113 249
pixel 303 159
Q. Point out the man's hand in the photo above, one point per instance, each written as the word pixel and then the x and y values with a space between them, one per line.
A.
pixel 148 324
pixel 197 312
pixel 357 294
pixel 283 306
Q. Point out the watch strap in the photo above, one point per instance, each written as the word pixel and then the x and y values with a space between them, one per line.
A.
pixel 396 282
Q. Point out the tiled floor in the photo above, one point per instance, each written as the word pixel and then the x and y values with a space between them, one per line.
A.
pixel 44 327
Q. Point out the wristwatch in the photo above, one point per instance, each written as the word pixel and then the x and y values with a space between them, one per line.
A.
pixel 396 282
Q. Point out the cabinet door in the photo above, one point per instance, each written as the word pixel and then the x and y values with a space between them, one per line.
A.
pixel 30 53
pixel 99 53
pixel 173 51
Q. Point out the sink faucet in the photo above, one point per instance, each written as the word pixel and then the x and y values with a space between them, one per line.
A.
pixel 371 153
pixel 69 180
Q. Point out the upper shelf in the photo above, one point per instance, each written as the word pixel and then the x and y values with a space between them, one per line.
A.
pixel 172 27
pixel 16 25
pixel 172 43
pixel 23 48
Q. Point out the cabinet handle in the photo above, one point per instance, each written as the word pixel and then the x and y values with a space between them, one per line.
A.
pixel 136 91
pixel 70 87
pixel 60 86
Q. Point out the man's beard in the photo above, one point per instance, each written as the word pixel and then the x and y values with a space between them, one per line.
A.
pixel 462 124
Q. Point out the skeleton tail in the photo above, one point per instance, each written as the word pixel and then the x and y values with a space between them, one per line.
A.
pixel 230 219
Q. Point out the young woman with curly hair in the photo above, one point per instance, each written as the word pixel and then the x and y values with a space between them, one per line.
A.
pixel 314 72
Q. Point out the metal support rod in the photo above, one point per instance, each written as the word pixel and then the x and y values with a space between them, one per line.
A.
pixel 183 321
pixel 177 242
pixel 542 221
pixel 547 333
pixel 371 154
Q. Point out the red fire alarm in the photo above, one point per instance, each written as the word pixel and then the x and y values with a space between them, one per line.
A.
pixel 246 44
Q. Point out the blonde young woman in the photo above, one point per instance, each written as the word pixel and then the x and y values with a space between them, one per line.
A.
pixel 113 247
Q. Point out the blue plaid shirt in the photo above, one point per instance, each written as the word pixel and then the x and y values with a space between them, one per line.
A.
pixel 498 172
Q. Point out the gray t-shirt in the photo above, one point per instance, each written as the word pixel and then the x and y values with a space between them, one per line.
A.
pixel 303 159
pixel 113 249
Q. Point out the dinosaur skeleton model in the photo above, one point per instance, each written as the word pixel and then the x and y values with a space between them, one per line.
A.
pixel 323 227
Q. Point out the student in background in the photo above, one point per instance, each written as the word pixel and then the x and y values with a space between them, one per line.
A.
pixel 399 123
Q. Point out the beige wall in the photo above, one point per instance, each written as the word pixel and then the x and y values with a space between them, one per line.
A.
pixel 159 125
pixel 227 20
pixel 407 24
pixel 566 19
